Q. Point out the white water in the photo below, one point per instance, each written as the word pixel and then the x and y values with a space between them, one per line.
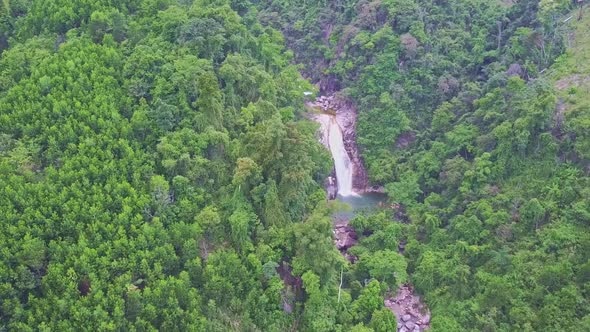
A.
pixel 332 138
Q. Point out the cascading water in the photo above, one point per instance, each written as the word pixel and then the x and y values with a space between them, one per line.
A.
pixel 332 138
pixel 341 160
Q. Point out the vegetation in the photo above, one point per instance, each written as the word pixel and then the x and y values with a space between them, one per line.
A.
pixel 157 172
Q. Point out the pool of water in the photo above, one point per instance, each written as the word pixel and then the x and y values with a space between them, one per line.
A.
pixel 355 204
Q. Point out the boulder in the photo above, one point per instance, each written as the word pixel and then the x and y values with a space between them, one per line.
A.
pixel 331 187
pixel 406 317
pixel 410 325
pixel 345 237
pixel 515 70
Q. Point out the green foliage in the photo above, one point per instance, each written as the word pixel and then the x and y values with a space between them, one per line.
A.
pixel 319 316
pixel 314 248
pixel 406 190
pixel 383 320
pixel 369 301
pixel 152 159
pixel 387 266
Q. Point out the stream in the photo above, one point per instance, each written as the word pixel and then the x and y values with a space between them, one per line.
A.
pixel 348 184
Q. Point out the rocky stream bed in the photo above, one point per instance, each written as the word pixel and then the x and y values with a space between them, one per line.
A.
pixel 411 313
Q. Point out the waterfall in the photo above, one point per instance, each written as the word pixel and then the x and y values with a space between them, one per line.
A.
pixel 341 160
pixel 332 138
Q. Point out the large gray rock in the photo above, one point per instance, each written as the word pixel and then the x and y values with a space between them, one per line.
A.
pixel 410 325
pixel 515 70
pixel 406 317
pixel 345 237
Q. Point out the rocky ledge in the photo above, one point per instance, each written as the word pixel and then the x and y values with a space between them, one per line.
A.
pixel 345 237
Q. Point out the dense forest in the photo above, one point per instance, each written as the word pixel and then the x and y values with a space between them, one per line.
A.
pixel 158 170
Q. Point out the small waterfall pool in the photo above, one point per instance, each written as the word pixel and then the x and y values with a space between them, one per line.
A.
pixel 359 203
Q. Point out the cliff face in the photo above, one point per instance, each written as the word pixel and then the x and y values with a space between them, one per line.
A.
pixel 346 117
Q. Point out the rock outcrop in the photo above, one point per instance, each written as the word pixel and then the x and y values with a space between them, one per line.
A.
pixel 292 290
pixel 331 186
pixel 344 237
